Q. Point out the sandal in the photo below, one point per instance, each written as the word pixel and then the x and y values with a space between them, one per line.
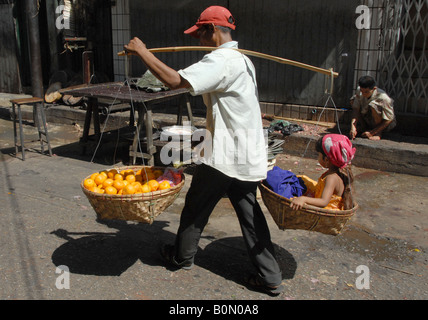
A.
pixel 257 283
pixel 168 252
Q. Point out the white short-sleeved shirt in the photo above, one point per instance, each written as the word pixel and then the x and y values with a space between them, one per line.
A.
pixel 226 79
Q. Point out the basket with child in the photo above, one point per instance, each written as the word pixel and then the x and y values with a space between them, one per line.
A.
pixel 297 202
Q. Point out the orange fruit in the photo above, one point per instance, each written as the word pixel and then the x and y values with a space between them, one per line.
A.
pixel 94 175
pixel 136 184
pixel 138 187
pixel 118 176
pixel 111 173
pixel 110 190
pixel 99 179
pixel 138 177
pixel 130 178
pixel 158 173
pixel 126 172
pixel 129 189
pixel 97 190
pixel 89 183
pixel 118 184
pixel 153 184
pixel 108 183
pixel 145 188
pixel 125 182
pixel 164 185
pixel 145 172
pixel 104 172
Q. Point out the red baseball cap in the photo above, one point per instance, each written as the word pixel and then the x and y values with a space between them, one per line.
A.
pixel 218 15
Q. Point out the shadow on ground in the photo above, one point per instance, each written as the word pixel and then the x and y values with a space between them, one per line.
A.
pixel 112 253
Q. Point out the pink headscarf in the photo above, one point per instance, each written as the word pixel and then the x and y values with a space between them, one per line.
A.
pixel 338 149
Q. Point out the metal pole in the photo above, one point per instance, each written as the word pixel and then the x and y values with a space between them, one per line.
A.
pixel 32 11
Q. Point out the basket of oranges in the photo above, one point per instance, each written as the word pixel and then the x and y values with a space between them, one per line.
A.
pixel 137 193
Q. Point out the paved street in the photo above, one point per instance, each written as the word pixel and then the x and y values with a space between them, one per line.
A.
pixel 47 222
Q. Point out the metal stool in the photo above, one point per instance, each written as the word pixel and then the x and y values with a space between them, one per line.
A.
pixel 39 117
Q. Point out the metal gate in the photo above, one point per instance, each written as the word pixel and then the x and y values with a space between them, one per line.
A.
pixel 403 63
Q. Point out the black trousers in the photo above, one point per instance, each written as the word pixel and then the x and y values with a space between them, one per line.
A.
pixel 207 188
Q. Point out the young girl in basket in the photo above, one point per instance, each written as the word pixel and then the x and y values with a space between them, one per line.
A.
pixel 333 190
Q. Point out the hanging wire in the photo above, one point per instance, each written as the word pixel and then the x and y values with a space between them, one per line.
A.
pixel 109 111
pixel 137 127
pixel 126 83
pixel 329 98
pixel 105 124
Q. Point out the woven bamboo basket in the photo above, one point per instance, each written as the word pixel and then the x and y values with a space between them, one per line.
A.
pixel 309 218
pixel 141 207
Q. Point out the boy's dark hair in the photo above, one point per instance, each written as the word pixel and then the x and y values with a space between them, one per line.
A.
pixel 367 82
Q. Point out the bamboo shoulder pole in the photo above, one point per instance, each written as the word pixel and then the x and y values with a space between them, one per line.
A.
pixel 246 52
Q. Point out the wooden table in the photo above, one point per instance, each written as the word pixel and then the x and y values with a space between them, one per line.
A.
pixel 140 100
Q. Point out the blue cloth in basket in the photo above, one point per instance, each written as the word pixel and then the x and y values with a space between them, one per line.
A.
pixel 285 183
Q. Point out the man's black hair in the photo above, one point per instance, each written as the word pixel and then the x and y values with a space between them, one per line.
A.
pixel 367 82
pixel 224 29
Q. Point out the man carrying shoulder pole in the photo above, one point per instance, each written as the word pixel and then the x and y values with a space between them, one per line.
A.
pixel 226 80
